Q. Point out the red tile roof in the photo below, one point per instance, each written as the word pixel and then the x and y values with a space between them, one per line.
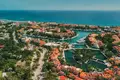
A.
pixel 62 77
pixel 117 48
pixel 83 75
pixel 1 46
pixel 68 31
pixel 42 42
pixel 100 43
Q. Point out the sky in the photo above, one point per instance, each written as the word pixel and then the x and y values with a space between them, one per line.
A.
pixel 59 4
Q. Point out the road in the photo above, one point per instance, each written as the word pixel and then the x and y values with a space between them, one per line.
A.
pixel 37 72
pixel 14 37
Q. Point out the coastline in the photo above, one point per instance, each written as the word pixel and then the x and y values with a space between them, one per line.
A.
pixel 40 21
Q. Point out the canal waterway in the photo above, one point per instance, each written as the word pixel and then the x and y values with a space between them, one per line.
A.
pixel 69 55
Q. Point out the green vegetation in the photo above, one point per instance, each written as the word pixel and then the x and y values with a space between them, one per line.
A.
pixel 100 78
pixel 48 68
pixel 107 40
pixel 108 53
pixel 0 74
pixel 117 77
pixel 17 56
pixel 83 56
pixel 49 75
pixel 11 54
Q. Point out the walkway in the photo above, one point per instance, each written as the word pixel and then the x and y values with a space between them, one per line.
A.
pixel 84 48
pixel 32 62
pixel 104 54
pixel 99 62
pixel 37 72
pixel 81 40
pixel 14 37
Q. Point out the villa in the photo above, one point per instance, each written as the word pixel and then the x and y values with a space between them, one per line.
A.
pixel 1 46
pixel 116 60
pixel 62 78
pixel 116 39
pixel 117 48
pixel 96 43
pixel 93 27
pixel 42 42
pixel 116 29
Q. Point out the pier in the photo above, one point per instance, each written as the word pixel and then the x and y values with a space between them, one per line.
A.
pixel 81 40
pixel 104 54
pixel 98 61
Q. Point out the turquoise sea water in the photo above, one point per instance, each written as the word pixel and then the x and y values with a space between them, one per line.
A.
pixel 75 17
pixel 81 34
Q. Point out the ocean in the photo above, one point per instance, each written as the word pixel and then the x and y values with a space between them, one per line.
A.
pixel 102 18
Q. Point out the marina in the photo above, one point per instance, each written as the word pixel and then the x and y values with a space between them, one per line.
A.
pixel 79 44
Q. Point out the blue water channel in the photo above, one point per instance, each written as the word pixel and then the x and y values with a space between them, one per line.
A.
pixel 72 62
pixel 81 34
pixel 69 55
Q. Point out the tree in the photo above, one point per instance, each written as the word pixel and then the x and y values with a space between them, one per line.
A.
pixel 47 66
pixel 83 56
pixel 98 37
pixel 23 74
pixel 109 54
pixel 49 75
pixel 117 77
pixel 100 78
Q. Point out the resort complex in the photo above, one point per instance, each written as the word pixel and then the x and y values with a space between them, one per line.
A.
pixel 56 51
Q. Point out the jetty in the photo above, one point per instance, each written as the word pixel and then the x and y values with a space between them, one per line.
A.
pixel 104 54
pixel 98 61
pixel 81 40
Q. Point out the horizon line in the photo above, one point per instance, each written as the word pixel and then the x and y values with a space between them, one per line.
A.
pixel 52 10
